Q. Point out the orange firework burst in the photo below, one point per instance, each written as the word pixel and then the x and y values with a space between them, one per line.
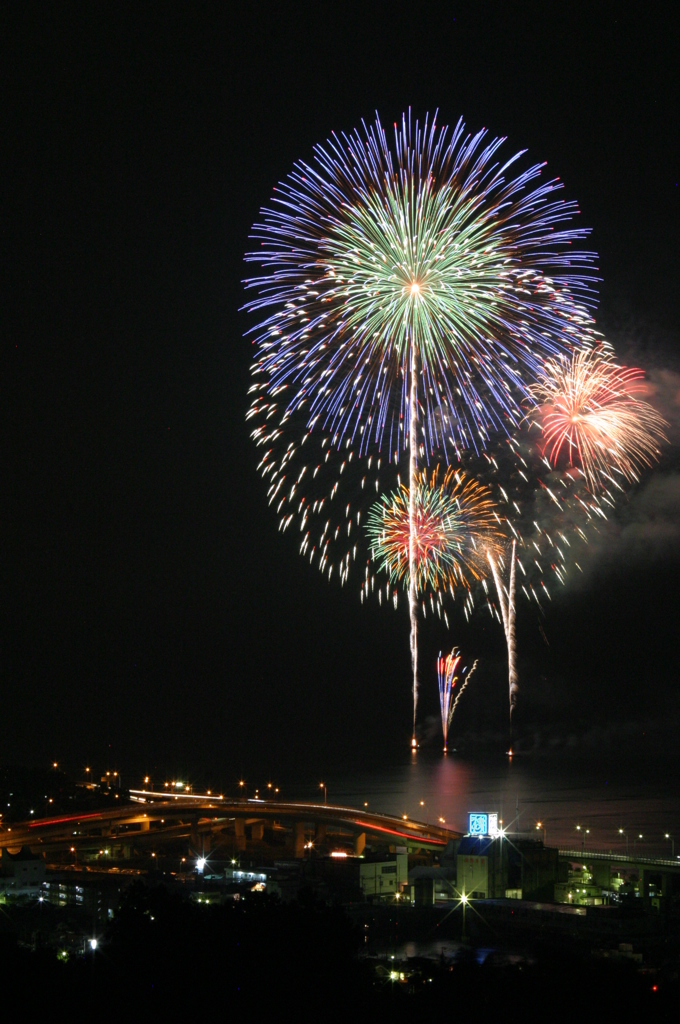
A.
pixel 590 407
pixel 454 529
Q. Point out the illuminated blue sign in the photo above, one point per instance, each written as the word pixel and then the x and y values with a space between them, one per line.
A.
pixel 483 824
pixel 478 824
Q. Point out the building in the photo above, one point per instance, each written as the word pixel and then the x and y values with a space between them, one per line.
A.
pixel 22 873
pixel 493 867
pixel 384 879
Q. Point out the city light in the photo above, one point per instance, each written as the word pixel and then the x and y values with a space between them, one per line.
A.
pixel 93 944
pixel 200 863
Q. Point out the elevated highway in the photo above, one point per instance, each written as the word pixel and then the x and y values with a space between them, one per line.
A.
pixel 663 874
pixel 153 819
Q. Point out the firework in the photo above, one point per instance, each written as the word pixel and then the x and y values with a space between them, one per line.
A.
pixel 408 296
pixel 590 409
pixel 421 269
pixel 448 681
pixel 439 541
pixel 506 598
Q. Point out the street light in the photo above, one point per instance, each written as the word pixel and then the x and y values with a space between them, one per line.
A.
pixel 672 842
pixel 584 832
pixel 322 785
pixel 623 833
pixel 541 827
pixel 640 836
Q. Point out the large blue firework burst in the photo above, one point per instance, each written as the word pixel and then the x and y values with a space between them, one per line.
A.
pixel 419 268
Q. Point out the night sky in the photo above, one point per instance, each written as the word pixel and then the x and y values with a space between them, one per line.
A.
pixel 151 612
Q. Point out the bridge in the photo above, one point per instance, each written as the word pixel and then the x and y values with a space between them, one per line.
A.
pixel 660 872
pixel 623 860
pixel 152 820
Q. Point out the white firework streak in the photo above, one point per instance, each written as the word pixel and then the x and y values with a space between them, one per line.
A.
pixel 413 582
pixel 507 603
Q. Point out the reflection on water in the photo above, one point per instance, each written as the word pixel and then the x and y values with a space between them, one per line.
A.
pixel 603 799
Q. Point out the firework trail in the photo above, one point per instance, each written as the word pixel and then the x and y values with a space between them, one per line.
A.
pixel 548 515
pixel 463 688
pixel 405 284
pixel 590 407
pixel 446 673
pixel 506 599
pixel 412 560
pixel 447 678
pixel 548 512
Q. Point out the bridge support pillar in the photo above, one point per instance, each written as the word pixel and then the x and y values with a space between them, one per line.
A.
pixel 320 833
pixel 240 833
pixel 359 844
pixel 257 830
pixel 145 825
pixel 601 872
pixel 299 839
